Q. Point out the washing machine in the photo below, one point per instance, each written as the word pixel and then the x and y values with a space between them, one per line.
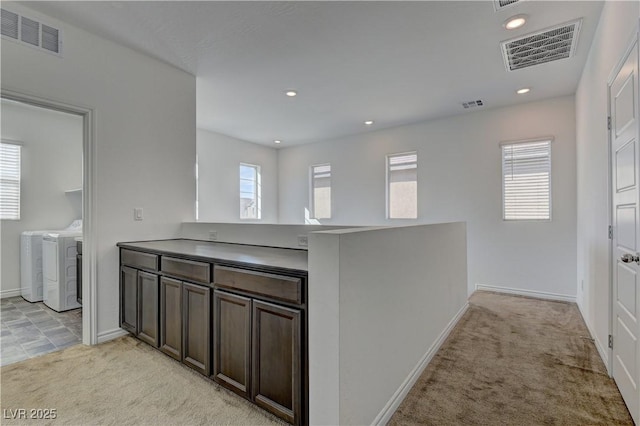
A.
pixel 31 265
pixel 59 268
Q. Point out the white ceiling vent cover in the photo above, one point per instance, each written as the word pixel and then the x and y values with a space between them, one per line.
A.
pixel 548 45
pixel 30 32
pixel 501 4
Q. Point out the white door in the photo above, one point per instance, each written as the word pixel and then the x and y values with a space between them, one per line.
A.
pixel 625 165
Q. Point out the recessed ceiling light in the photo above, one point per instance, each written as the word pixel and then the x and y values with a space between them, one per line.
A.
pixel 515 22
pixel 368 122
pixel 523 91
pixel 276 141
pixel 291 93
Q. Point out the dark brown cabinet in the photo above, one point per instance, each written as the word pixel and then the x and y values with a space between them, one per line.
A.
pixel 232 341
pixel 148 315
pixel 257 352
pixel 171 317
pixel 243 325
pixel 276 368
pixel 196 327
pixel 129 299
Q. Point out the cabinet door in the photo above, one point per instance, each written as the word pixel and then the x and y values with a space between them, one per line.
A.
pixel 232 341
pixel 196 328
pixel 148 303
pixel 171 317
pixel 129 299
pixel 276 370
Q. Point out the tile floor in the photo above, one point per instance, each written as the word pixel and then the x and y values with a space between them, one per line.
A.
pixel 31 329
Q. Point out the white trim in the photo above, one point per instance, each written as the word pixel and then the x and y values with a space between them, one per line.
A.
pixel 89 204
pixel 604 353
pixel 530 293
pixel 392 405
pixel 4 294
pixel 105 336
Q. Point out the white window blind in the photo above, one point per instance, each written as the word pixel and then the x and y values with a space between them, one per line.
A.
pixel 526 180
pixel 9 181
pixel 250 192
pixel 321 191
pixel 402 186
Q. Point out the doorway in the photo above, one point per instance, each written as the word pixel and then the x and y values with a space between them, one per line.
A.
pixel 41 197
pixel 88 203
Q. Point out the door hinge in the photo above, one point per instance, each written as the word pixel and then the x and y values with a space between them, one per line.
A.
pixel 610 232
pixel 609 122
pixel 611 341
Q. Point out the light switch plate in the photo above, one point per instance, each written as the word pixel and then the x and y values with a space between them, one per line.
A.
pixel 138 213
pixel 303 240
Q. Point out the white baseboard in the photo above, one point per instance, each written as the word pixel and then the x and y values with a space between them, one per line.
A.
pixel 9 293
pixel 530 293
pixel 392 405
pixel 602 351
pixel 105 336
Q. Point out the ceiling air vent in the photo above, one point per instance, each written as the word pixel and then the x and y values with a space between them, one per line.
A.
pixel 472 104
pixel 28 31
pixel 9 24
pixel 548 45
pixel 500 4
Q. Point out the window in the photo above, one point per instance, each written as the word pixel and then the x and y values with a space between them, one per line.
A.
pixel 250 191
pixel 402 186
pixel 321 191
pixel 9 180
pixel 526 180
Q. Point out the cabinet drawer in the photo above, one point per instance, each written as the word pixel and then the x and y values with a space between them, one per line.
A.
pixel 187 269
pixel 274 286
pixel 138 259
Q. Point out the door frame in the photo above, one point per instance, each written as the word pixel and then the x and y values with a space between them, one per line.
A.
pixel 89 204
pixel 633 42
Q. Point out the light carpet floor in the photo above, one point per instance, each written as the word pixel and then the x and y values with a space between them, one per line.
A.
pixel 515 361
pixel 121 382
pixel 509 361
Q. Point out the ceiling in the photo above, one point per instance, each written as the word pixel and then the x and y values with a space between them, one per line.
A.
pixel 392 62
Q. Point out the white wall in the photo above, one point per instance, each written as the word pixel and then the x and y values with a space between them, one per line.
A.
pixel 145 132
pixel 618 22
pixel 459 179
pixel 372 293
pixel 219 158
pixel 51 165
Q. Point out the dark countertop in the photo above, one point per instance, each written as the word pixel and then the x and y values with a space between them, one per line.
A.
pixel 210 251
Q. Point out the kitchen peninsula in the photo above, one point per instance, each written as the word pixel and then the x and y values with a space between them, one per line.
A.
pixel 336 334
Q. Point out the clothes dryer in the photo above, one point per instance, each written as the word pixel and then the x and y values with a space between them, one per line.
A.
pixel 59 268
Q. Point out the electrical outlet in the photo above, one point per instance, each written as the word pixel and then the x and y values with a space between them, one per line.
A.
pixel 213 235
pixel 138 213
pixel 303 240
